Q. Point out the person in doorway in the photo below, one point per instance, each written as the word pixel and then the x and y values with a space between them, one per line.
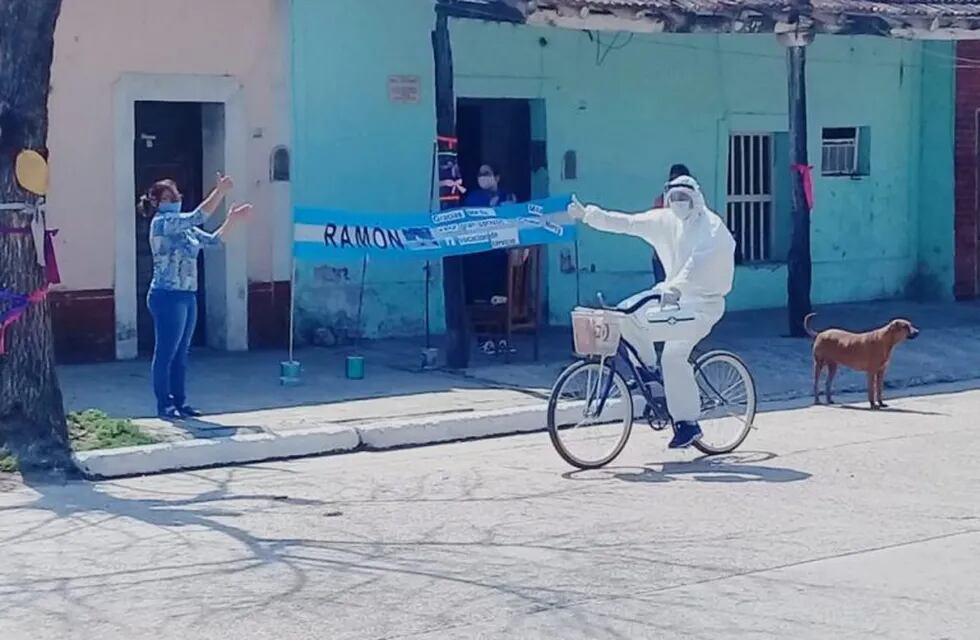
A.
pixel 175 240
pixel 489 193
pixel 698 254
pixel 487 272
pixel 676 171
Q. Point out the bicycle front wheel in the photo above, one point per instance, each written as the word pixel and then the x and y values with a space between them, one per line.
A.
pixel 590 414
pixel 728 401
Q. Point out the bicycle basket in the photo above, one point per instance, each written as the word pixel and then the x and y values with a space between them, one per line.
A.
pixel 595 332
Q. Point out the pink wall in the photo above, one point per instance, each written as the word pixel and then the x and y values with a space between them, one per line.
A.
pixel 96 41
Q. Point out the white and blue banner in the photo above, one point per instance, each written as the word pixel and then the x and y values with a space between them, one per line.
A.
pixel 327 235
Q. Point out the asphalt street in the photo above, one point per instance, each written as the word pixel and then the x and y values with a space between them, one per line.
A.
pixel 830 523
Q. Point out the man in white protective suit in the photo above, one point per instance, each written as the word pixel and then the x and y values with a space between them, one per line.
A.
pixel 698 255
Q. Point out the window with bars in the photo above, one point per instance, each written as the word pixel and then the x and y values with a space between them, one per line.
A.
pixel 750 202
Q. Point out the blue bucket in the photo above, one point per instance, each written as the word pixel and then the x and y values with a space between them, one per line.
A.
pixel 289 371
pixel 355 367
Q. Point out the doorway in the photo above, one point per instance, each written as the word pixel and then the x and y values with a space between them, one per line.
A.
pixel 503 288
pixel 168 144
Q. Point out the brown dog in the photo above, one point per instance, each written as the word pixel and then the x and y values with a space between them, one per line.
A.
pixel 869 352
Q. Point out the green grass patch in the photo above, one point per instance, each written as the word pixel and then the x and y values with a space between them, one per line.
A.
pixel 8 463
pixel 93 429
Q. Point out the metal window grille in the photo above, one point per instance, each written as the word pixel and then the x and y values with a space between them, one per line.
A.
pixel 750 195
pixel 840 152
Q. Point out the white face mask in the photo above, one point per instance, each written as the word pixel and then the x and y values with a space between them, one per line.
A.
pixel 487 183
pixel 682 209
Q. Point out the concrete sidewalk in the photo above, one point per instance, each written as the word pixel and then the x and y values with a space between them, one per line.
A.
pixel 252 417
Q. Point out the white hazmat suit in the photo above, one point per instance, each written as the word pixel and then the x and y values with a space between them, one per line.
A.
pixel 698 255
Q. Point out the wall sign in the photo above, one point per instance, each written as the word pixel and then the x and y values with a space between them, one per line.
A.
pixel 404 89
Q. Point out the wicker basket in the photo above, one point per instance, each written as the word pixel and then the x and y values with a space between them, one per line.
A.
pixel 596 332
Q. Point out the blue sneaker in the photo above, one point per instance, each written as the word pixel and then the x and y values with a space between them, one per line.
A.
pixel 685 434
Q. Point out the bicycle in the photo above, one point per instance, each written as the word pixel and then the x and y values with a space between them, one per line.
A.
pixel 728 396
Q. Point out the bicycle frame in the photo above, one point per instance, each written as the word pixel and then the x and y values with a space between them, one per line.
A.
pixel 658 408
pixel 623 353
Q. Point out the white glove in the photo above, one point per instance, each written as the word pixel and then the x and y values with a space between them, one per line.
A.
pixel 670 296
pixel 576 210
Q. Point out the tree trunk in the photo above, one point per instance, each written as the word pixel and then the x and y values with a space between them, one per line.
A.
pixel 32 418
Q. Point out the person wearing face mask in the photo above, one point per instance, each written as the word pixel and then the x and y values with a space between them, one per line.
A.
pixel 489 193
pixel 175 241
pixel 676 171
pixel 486 273
pixel 698 254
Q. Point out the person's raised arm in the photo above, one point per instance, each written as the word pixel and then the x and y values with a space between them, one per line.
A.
pixel 222 187
pixel 647 225
pixel 236 214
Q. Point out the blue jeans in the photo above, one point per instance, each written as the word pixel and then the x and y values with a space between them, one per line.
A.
pixel 174 318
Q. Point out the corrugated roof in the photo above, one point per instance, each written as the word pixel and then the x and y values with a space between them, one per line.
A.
pixel 894 8
pixel 940 19
pixel 901 18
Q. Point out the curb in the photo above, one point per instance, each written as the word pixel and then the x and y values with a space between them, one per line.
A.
pixel 449 428
pixel 376 436
pixel 195 454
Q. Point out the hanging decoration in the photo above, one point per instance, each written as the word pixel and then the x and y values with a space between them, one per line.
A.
pixel 806 171
pixel 451 187
pixel 14 306
pixel 32 172
pixel 328 235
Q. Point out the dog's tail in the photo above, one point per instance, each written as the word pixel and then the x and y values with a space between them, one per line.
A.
pixel 806 325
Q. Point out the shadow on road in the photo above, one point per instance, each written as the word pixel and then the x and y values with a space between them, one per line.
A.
pixel 350 564
pixel 732 468
pixel 81 505
pixel 911 412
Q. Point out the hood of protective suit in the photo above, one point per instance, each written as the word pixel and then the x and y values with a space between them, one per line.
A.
pixel 683 197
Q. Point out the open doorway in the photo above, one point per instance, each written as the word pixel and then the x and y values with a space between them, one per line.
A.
pixel 168 144
pixel 503 288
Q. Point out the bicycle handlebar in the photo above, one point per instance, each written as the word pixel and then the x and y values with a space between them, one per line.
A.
pixel 632 308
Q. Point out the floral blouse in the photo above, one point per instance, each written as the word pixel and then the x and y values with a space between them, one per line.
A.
pixel 175 240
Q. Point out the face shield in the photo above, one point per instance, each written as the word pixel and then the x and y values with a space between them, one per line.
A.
pixel 681 200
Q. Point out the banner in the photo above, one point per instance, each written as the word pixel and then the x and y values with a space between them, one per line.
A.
pixel 327 235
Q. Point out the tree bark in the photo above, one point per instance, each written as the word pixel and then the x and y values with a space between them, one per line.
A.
pixel 799 266
pixel 32 417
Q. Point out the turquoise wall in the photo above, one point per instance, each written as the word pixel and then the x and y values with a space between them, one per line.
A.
pixel 657 100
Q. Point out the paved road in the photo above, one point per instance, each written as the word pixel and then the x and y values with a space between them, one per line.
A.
pixel 833 523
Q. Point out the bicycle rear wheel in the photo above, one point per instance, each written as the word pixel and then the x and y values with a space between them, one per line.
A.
pixel 728 401
pixel 590 414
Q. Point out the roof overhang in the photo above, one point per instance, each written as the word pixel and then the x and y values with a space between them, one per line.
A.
pixel 898 19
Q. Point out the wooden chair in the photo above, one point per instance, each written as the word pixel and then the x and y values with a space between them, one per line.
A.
pixel 520 310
